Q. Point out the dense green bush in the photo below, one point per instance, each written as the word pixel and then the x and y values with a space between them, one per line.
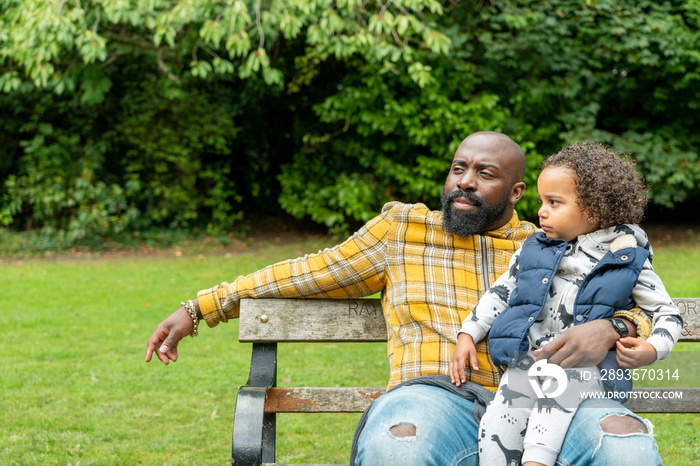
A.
pixel 130 116
pixel 136 160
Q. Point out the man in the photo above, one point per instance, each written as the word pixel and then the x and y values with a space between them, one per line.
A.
pixel 431 268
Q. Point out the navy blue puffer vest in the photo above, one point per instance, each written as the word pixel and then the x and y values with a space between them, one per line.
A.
pixel 607 288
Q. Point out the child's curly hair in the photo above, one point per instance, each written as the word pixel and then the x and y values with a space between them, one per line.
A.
pixel 610 190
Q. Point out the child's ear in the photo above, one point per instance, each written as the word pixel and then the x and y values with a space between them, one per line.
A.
pixel 593 220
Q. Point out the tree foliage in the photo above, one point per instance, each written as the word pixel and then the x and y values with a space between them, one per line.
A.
pixel 122 115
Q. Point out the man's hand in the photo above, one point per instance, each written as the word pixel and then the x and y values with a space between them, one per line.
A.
pixel 168 334
pixel 464 351
pixel 633 353
pixel 581 345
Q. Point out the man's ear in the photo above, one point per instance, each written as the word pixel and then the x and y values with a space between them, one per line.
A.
pixel 516 192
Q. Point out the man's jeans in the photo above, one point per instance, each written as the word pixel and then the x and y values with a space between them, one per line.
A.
pixel 446 433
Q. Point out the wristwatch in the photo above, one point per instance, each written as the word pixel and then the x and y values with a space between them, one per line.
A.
pixel 619 326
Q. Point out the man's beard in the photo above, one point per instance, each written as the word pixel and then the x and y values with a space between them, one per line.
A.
pixel 468 222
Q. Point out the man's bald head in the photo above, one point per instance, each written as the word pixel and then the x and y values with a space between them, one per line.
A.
pixel 505 146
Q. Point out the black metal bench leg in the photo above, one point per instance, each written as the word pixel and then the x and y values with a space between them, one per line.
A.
pixel 254 430
pixel 269 436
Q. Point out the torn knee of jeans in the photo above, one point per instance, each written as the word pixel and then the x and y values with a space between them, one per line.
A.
pixel 403 430
pixel 623 424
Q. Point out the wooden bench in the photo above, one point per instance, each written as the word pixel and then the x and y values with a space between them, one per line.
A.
pixel 267 322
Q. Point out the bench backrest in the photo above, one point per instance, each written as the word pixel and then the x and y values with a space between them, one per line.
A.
pixel 272 321
pixel 267 322
pixel 299 320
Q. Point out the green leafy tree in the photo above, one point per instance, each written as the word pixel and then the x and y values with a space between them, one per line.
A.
pixel 173 113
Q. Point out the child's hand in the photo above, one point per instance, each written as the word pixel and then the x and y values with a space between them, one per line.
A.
pixel 465 350
pixel 633 352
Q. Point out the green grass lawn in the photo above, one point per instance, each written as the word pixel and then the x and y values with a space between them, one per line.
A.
pixel 74 387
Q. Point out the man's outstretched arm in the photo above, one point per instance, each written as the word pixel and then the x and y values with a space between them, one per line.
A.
pixel 352 269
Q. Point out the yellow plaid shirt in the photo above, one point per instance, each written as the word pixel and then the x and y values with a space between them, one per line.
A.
pixel 429 279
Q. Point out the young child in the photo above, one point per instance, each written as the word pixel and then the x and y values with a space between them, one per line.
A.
pixel 589 260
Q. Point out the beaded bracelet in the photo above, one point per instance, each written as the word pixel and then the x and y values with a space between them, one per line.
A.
pixel 189 307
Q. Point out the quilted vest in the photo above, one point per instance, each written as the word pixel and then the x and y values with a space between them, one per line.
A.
pixel 607 288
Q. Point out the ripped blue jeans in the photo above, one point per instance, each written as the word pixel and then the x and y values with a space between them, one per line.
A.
pixel 446 433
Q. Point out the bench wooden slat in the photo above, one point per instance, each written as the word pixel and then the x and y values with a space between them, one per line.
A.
pixel 690 312
pixel 295 320
pixel 357 399
pixel 689 403
pixel 320 399
pixel 299 320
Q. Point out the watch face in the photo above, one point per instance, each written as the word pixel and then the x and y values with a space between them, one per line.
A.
pixel 620 327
